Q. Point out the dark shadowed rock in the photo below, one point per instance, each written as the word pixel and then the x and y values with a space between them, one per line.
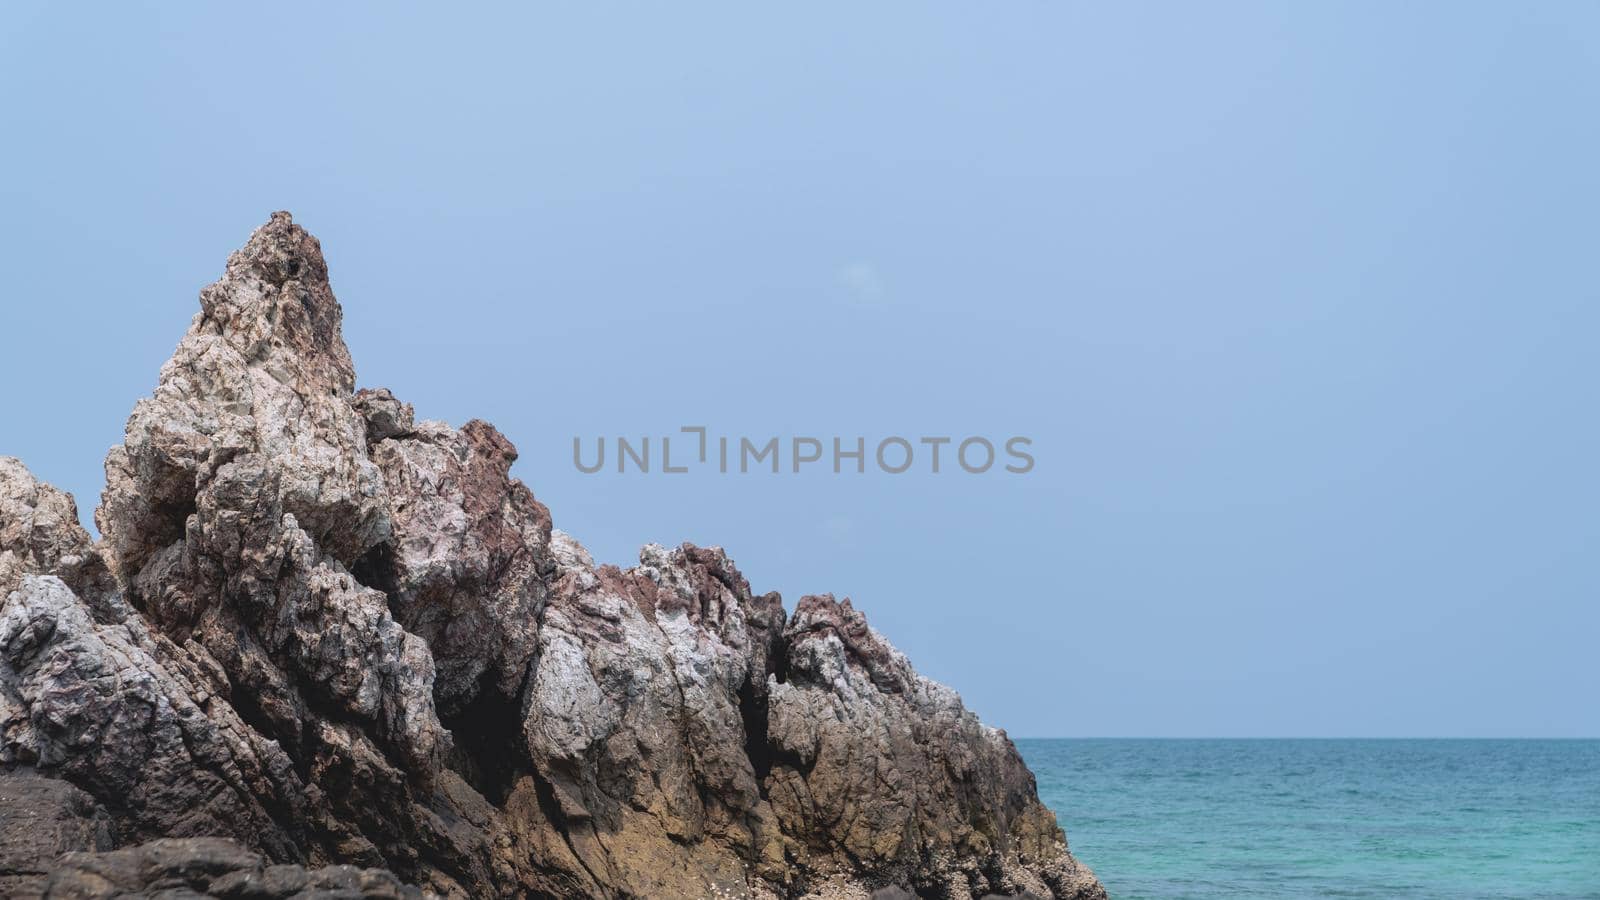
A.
pixel 41 819
pixel 210 867
pixel 135 721
pixel 322 634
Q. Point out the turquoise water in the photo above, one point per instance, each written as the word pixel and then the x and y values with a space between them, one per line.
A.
pixel 1329 818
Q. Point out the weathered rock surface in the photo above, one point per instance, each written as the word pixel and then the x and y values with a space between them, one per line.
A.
pixel 319 633
pixel 468 565
pixel 41 819
pixel 40 534
pixel 174 868
pixel 134 720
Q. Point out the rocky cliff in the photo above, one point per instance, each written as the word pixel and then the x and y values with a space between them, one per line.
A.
pixel 324 649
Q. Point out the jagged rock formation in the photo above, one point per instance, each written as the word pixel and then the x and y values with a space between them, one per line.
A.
pixel 319 634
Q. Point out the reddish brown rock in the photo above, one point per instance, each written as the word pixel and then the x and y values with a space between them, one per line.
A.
pixel 467 566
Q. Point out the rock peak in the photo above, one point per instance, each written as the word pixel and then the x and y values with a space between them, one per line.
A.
pixel 279 251
pixel 262 372
pixel 274 303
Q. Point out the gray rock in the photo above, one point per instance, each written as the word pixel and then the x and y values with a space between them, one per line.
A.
pixel 468 565
pixel 340 637
pixel 263 370
pixel 136 721
pixel 876 764
pixel 40 534
pixel 386 416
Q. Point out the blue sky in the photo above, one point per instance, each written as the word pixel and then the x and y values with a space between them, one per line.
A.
pixel 1297 302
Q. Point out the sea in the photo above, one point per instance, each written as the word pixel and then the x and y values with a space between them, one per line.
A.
pixel 1457 819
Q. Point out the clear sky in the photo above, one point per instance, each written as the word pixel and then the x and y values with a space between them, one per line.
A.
pixel 1297 301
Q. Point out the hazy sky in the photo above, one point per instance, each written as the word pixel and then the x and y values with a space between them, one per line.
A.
pixel 1297 301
